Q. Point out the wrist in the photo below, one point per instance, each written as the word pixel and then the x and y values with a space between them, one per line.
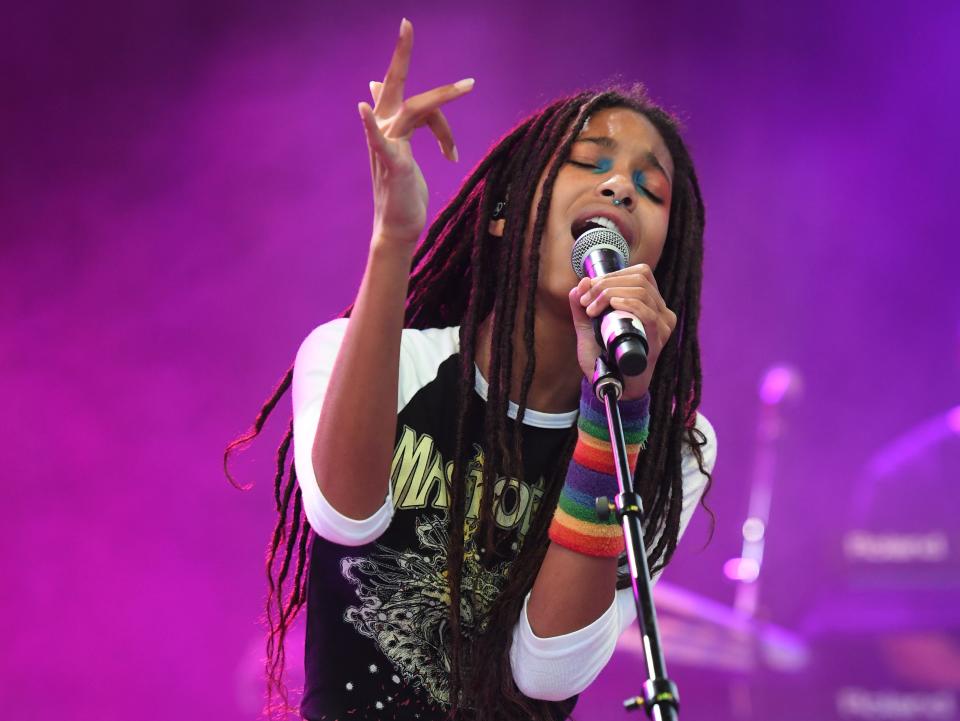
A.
pixel 401 234
pixel 592 473
pixel 634 411
pixel 630 396
pixel 391 248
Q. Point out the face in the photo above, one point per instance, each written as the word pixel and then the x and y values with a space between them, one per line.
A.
pixel 620 155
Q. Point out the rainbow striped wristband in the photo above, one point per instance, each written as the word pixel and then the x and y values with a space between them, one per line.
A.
pixel 592 474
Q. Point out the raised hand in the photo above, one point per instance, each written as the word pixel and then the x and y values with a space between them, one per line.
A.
pixel 399 189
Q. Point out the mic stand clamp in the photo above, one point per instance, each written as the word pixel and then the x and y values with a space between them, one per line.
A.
pixel 660 698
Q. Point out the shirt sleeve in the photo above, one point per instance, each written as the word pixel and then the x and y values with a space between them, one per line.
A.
pixel 558 667
pixel 421 353
pixel 312 371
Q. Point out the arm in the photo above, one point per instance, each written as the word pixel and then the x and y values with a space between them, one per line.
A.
pixel 353 442
pixel 593 575
pixel 555 667
pixel 573 595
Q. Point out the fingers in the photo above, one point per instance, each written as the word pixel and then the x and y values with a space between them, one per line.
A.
pixel 416 109
pixel 632 299
pixel 632 292
pixel 596 301
pixel 419 110
pixel 641 269
pixel 635 282
pixel 662 323
pixel 393 82
pixel 579 313
pixel 375 138
pixel 441 129
pixel 404 116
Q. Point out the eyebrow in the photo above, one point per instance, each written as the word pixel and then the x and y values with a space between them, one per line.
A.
pixel 605 142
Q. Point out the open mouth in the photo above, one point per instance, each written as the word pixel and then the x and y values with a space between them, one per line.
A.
pixel 582 226
pixel 579 227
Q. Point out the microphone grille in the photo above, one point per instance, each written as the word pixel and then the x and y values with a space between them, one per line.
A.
pixel 594 239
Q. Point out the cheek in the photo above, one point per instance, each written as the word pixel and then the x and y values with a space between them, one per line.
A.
pixel 655 235
pixel 556 270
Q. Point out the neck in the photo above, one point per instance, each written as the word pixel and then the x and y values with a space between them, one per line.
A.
pixel 555 387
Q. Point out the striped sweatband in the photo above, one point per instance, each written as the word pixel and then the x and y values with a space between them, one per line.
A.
pixel 592 474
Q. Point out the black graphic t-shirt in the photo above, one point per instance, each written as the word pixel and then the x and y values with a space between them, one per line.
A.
pixel 377 628
pixel 376 644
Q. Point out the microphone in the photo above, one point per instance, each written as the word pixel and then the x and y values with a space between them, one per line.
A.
pixel 597 252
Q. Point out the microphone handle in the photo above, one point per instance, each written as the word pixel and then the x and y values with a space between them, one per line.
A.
pixel 622 335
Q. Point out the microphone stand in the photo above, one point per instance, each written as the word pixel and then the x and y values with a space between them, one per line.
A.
pixel 660 697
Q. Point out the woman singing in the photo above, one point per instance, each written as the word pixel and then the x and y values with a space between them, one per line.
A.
pixel 438 519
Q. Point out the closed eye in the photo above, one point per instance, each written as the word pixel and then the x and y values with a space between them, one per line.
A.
pixel 604 167
pixel 638 179
pixel 654 198
pixel 588 166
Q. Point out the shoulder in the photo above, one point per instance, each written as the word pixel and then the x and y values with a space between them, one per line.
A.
pixel 421 354
pixel 429 345
pixel 322 340
pixel 415 344
pixel 313 364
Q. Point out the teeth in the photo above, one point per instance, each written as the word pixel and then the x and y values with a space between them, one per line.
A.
pixel 605 222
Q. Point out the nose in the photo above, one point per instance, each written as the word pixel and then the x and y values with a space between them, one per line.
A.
pixel 617 187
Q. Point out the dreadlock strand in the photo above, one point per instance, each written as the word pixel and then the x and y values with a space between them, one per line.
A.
pixel 244 440
pixel 279 657
pixel 533 263
pixel 459 494
pixel 281 460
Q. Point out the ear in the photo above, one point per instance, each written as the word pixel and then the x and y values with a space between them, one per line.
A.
pixel 498 219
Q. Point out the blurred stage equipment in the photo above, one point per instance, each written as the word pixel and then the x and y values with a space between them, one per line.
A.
pixel 882 640
pixel 698 631
pixel 891 623
pixel 780 383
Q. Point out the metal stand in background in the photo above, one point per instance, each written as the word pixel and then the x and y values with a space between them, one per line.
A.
pixel 779 384
pixel 660 697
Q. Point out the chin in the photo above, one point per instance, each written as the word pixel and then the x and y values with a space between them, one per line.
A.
pixel 553 296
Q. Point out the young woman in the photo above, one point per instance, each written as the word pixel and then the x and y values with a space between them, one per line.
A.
pixel 441 529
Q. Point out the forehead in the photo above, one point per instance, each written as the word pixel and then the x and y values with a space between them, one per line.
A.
pixel 632 131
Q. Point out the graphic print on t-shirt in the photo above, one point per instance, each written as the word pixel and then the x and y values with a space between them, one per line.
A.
pixel 404 597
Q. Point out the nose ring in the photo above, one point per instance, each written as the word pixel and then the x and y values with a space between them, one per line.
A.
pixel 617 201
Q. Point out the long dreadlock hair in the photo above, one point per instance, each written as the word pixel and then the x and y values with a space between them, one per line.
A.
pixel 460 275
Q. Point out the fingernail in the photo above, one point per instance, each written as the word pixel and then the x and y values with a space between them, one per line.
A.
pixel 455 154
pixel 464 84
pixel 403 24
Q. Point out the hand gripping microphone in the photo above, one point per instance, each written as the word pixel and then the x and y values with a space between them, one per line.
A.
pixel 596 253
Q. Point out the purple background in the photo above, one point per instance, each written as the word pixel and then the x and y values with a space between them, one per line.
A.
pixel 184 194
